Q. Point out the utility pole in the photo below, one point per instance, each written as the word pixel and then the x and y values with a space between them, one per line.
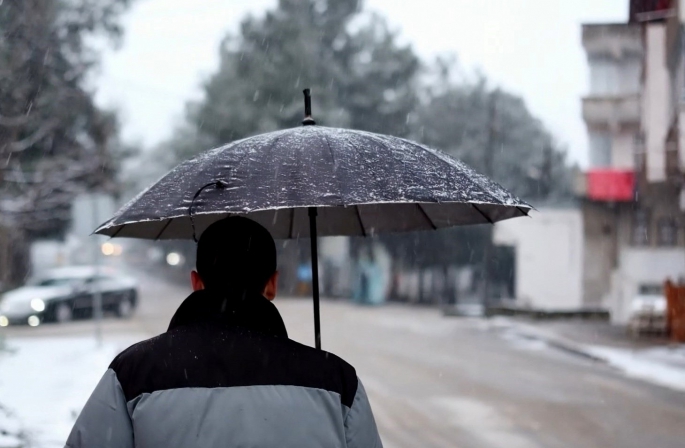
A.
pixel 488 161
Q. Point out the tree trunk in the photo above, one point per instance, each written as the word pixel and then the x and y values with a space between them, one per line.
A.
pixel 17 258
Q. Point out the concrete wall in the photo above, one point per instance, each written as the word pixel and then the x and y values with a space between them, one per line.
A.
pixel 638 266
pixel 622 151
pixel 599 256
pixel 549 255
pixel 655 101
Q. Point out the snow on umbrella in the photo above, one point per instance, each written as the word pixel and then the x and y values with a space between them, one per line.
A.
pixel 314 180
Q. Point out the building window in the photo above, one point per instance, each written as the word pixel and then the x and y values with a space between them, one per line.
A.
pixel 600 149
pixel 667 232
pixel 604 76
pixel 630 71
pixel 641 228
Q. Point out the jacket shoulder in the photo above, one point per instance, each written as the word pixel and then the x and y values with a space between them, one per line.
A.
pixel 209 357
pixel 137 350
pixel 321 369
pixel 328 359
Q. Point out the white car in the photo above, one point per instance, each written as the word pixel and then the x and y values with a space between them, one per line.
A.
pixel 65 293
pixel 648 310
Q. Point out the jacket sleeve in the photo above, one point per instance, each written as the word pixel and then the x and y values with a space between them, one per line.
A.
pixel 360 426
pixel 104 421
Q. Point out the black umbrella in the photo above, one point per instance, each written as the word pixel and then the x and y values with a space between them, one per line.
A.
pixel 315 180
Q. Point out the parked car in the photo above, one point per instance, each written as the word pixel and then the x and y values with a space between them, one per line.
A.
pixel 648 310
pixel 62 294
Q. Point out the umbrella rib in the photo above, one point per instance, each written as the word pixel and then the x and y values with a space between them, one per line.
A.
pixel 292 223
pixel 340 191
pixel 361 223
pixel 522 211
pixel 483 214
pixel 163 229
pixel 425 215
pixel 118 230
pixel 437 154
pixel 368 167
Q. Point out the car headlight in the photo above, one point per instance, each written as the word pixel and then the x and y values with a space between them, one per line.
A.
pixel 37 305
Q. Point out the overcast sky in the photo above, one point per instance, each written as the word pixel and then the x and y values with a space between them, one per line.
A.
pixel 529 47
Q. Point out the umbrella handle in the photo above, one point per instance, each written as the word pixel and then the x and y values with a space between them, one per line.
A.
pixel 219 185
pixel 315 276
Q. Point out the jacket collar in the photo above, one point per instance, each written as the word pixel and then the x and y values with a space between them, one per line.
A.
pixel 248 310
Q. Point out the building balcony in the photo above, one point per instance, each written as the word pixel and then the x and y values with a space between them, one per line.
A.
pixel 610 111
pixel 612 39
pixel 610 185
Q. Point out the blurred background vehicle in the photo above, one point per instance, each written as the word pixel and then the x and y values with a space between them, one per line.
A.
pixel 62 294
pixel 648 310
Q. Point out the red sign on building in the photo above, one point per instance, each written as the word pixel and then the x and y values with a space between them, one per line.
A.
pixel 650 10
pixel 611 185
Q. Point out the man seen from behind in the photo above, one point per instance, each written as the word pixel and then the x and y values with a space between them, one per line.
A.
pixel 225 374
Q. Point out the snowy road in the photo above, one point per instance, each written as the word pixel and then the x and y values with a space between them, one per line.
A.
pixel 439 382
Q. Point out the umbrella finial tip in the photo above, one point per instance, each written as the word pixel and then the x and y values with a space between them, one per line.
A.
pixel 308 120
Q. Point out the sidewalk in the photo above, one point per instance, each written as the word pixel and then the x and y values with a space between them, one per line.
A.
pixel 44 384
pixel 11 433
pixel 651 359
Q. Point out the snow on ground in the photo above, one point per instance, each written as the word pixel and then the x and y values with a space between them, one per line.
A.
pixel 673 355
pixel 664 365
pixel 656 365
pixel 11 431
pixel 44 383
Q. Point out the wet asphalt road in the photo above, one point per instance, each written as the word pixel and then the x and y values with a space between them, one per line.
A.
pixel 450 382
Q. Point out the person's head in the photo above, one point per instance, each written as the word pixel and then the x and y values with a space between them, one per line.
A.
pixel 236 254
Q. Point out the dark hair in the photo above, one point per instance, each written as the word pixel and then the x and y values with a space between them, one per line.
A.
pixel 236 254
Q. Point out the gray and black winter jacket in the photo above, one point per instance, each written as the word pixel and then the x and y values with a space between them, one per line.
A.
pixel 225 374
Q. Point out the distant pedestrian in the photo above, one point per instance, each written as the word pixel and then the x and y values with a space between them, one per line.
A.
pixel 225 373
pixel 304 279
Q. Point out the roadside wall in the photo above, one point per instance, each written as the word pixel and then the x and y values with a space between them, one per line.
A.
pixel 549 256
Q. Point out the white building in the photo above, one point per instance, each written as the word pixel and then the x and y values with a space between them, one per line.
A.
pixel 626 234
pixel 633 230
pixel 549 258
pixel 611 109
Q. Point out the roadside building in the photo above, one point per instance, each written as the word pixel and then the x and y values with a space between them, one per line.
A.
pixel 627 233
pixel 548 258
pixel 611 112
pixel 632 212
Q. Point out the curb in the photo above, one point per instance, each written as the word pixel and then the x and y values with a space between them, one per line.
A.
pixel 557 342
pixel 621 360
pixel 574 350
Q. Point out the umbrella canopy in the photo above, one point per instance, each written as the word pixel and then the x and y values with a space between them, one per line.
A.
pixel 315 180
pixel 362 184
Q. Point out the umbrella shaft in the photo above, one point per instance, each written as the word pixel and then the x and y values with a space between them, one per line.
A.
pixel 315 275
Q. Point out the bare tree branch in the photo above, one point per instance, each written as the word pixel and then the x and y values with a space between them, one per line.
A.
pixel 34 138
pixel 10 122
